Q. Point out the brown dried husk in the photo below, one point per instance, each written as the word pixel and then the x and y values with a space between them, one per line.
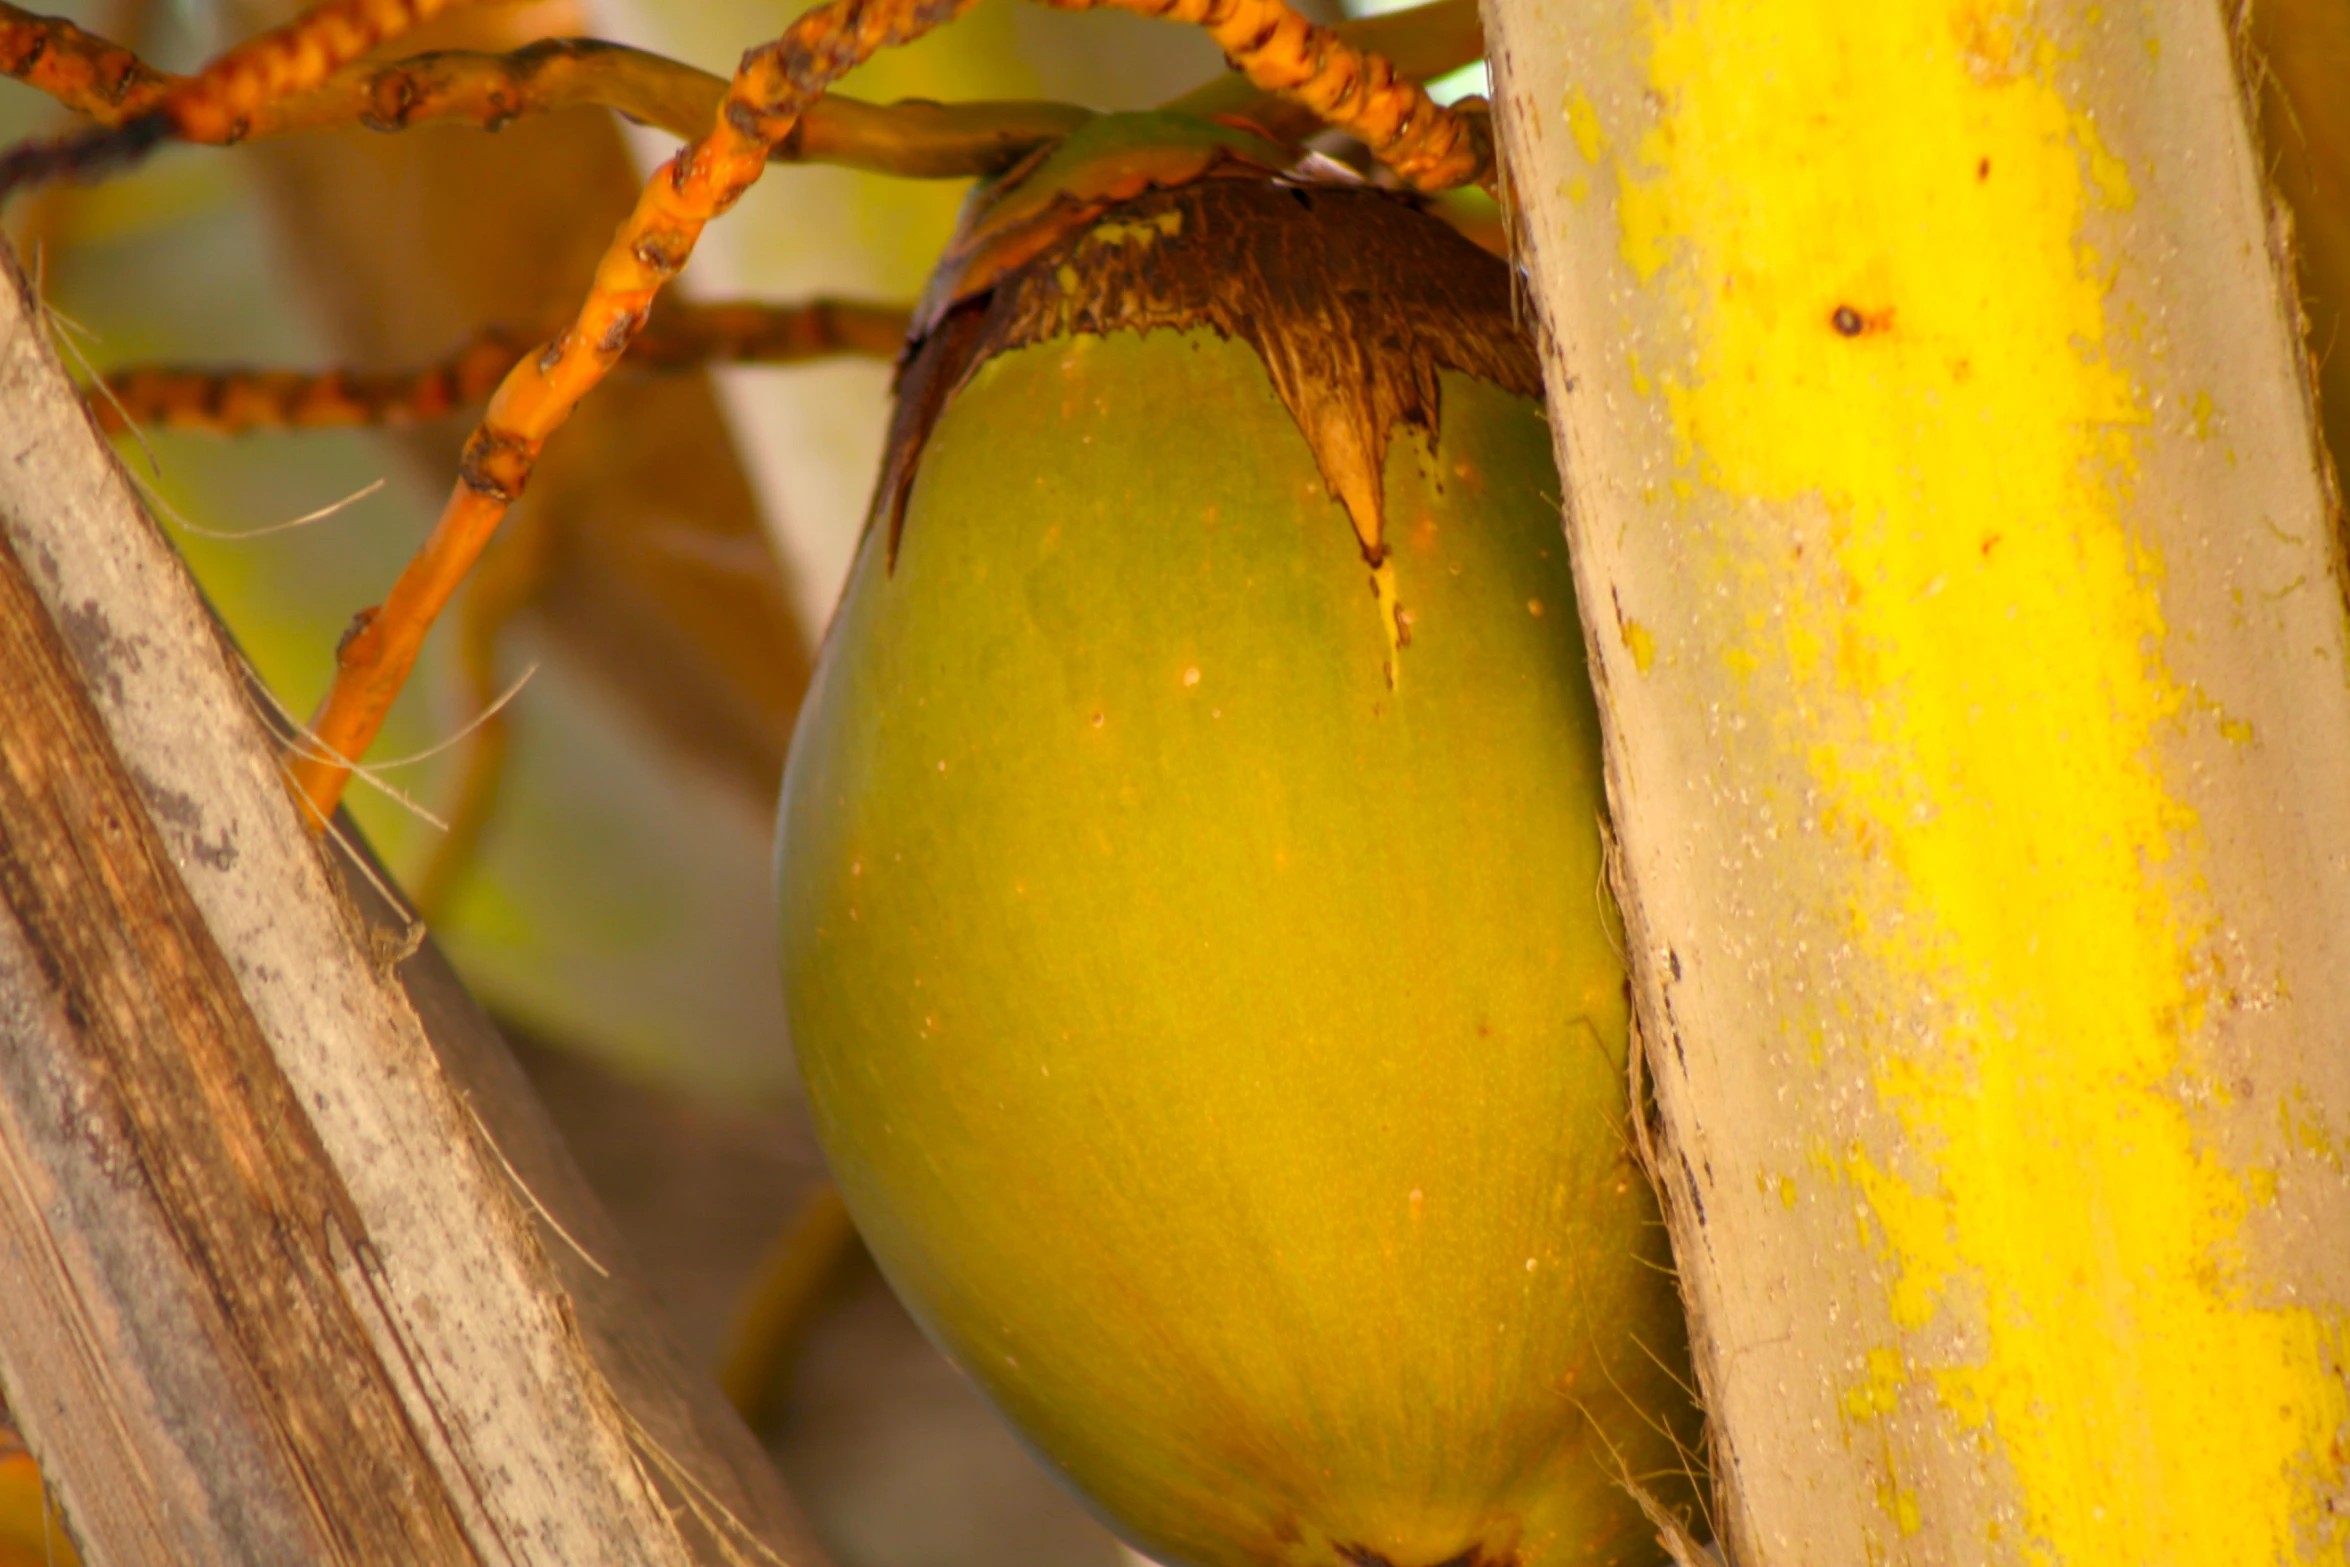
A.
pixel 1351 295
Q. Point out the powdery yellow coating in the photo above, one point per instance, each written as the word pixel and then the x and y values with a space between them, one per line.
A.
pixel 1583 121
pixel 1642 645
pixel 1394 619
pixel 1874 217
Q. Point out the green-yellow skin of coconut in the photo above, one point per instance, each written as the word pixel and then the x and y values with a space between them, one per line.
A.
pixel 1221 1048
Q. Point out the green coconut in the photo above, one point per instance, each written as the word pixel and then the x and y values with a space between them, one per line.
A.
pixel 1194 931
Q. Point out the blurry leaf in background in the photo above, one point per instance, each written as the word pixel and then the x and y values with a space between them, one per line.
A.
pixel 621 904
pixel 660 580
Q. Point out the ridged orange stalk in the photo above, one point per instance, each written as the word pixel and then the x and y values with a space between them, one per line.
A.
pixel 288 60
pixel 235 401
pixel 214 105
pixel 1432 148
pixel 80 70
pixel 771 89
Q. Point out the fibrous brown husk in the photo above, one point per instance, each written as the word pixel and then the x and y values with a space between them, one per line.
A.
pixel 1353 297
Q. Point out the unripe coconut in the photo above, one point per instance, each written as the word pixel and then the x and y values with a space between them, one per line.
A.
pixel 1195 938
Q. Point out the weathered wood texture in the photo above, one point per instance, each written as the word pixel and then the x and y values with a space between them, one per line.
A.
pixel 1959 568
pixel 284 1284
pixel 130 1041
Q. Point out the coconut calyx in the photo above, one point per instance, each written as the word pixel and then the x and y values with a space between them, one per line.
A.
pixel 1352 297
